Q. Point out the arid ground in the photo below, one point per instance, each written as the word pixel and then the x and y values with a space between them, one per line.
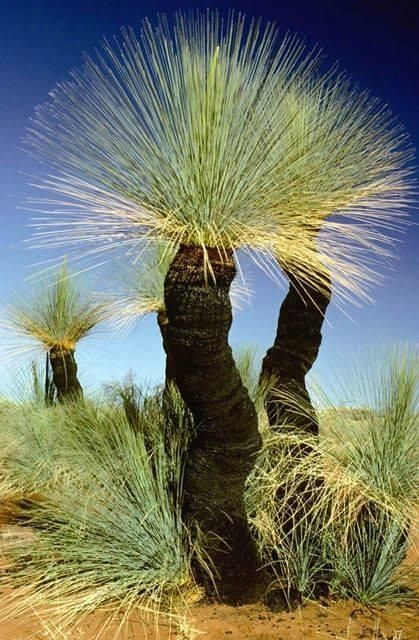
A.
pixel 322 620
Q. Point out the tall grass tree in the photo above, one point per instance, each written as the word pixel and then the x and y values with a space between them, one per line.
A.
pixel 178 135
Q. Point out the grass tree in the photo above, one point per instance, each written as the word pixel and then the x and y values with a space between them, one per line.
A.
pixel 179 136
pixel 346 173
pixel 54 317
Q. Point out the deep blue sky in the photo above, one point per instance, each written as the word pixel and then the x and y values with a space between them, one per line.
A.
pixel 377 42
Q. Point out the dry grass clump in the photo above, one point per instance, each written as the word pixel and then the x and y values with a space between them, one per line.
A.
pixel 337 514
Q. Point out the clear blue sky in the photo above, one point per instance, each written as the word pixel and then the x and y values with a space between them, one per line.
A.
pixel 377 42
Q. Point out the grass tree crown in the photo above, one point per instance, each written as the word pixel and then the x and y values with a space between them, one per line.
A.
pixel 215 133
pixel 57 316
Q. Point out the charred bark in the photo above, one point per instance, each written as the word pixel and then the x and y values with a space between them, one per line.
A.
pixel 223 450
pixel 293 353
pixel 64 374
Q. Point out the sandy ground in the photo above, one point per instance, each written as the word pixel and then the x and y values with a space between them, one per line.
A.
pixel 339 620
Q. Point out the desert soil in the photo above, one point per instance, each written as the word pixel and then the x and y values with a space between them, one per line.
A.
pixel 317 620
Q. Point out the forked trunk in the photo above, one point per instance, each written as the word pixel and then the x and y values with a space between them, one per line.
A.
pixel 227 439
pixel 292 355
pixel 64 374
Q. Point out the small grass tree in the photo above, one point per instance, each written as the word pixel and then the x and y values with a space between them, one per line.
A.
pixel 179 136
pixel 54 317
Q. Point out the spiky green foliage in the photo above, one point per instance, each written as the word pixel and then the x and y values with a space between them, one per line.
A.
pixel 107 527
pixel 345 174
pixel 382 451
pixel 56 313
pixel 216 133
pixel 367 563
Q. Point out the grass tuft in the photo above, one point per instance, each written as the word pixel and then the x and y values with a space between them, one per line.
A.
pixel 342 515
pixel 106 522
pixel 56 313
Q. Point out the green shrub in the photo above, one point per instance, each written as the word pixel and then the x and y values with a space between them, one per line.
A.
pixel 367 561
pixel 107 525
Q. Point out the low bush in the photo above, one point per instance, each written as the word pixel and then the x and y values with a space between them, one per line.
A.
pixel 107 523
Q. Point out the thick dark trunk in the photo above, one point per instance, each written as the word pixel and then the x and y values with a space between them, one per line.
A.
pixel 224 449
pixel 64 374
pixel 292 355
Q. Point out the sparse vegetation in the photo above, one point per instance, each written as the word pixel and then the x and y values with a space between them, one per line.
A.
pixel 103 487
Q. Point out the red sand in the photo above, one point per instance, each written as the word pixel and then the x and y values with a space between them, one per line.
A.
pixel 339 620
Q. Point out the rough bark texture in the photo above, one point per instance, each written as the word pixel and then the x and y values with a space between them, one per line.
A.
pixel 294 352
pixel 64 374
pixel 291 357
pixel 223 451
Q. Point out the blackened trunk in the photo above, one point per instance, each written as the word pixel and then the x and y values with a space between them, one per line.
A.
pixel 287 362
pixel 64 374
pixel 293 353
pixel 223 451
